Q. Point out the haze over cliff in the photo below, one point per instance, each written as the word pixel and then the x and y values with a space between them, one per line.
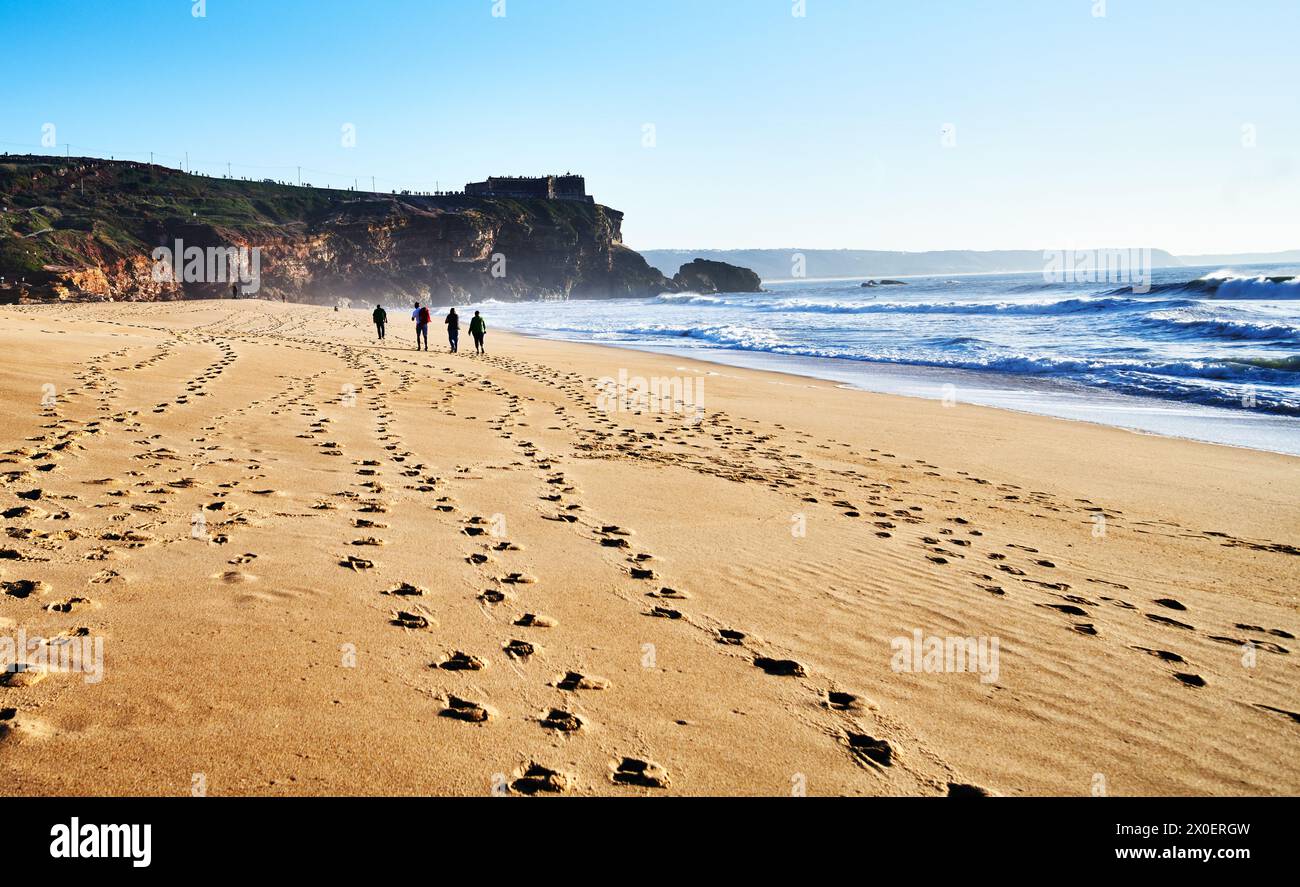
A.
pixel 86 228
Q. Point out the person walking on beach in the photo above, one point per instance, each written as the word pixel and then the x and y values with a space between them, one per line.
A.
pixel 478 329
pixel 381 318
pixel 453 330
pixel 421 318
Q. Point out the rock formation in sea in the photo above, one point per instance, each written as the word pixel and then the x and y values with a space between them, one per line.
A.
pixel 705 276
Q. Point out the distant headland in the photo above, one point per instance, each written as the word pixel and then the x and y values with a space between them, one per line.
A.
pixel 82 228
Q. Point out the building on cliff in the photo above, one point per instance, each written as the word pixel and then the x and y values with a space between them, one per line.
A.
pixel 565 187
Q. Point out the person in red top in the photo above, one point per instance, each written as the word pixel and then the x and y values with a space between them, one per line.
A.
pixel 421 318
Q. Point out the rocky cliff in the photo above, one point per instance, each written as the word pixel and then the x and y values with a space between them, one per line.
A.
pixel 82 228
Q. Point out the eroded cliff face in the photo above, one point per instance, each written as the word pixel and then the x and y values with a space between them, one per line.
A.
pixel 87 229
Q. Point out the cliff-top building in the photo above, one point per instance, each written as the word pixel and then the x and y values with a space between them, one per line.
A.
pixel 566 187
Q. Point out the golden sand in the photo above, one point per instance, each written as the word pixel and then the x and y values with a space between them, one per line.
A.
pixel 320 565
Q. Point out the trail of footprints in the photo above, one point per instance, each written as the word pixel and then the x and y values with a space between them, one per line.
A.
pixel 738 450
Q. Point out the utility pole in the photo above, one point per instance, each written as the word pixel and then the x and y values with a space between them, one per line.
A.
pixel 300 177
pixel 227 169
pixel 187 161
pixel 372 184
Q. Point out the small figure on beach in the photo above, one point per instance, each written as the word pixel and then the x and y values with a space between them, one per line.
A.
pixel 421 317
pixel 234 291
pixel 453 330
pixel 478 329
pixel 381 319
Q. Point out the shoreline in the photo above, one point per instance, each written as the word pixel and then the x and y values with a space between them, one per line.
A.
pixel 912 378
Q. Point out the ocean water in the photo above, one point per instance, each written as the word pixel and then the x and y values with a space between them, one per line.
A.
pixel 1207 353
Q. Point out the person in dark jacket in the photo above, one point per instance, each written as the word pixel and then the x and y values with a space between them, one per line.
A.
pixel 478 329
pixel 381 319
pixel 453 330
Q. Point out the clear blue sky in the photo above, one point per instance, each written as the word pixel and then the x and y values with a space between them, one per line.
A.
pixel 772 130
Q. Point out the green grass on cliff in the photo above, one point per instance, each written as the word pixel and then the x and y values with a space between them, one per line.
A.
pixel 116 209
pixel 60 213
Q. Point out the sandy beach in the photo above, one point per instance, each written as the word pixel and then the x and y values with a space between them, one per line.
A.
pixel 321 565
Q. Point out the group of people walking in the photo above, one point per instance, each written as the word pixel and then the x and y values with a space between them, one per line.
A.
pixel 423 317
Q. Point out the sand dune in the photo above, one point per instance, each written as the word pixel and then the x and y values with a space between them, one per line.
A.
pixel 320 565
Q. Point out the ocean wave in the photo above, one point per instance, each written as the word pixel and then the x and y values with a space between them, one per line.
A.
pixel 1219 381
pixel 1223 285
pixel 1201 325
pixel 689 299
pixel 1063 306
pixel 1245 370
pixel 1288 364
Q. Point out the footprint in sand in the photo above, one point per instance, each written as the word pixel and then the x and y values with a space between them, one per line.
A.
pixel 1172 623
pixel 22 674
pixel 780 667
pixel 517 649
pixel 536 779
pixel 14 726
pixel 838 700
pixel 574 681
pixel 1163 655
pixel 564 721
pixel 413 621
pixel 1267 646
pixel 1068 609
pixel 868 749
pixel 669 594
pixel 645 774
pixel 72 603
pixel 665 613
pixel 23 588
pixel 1278 711
pixel 966 790
pixel 459 661
pixel 1276 632
pixel 465 710
pixel 535 620
pixel 406 589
